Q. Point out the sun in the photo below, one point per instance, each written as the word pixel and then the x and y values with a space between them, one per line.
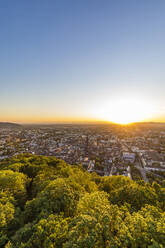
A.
pixel 128 110
pixel 125 111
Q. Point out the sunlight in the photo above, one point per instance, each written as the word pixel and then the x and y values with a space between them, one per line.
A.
pixel 125 111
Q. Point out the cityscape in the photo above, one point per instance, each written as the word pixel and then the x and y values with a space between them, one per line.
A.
pixel 82 124
pixel 136 151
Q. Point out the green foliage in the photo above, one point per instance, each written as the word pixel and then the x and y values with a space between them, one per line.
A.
pixel 7 212
pixel 136 195
pixel 50 232
pixel 93 203
pixel 146 227
pixel 45 202
pixel 57 197
pixel 14 183
pixel 135 173
pixel 109 184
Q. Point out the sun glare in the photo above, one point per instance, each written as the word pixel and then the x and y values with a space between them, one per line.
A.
pixel 126 111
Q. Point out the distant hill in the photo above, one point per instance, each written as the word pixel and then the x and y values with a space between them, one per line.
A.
pixel 149 123
pixel 9 125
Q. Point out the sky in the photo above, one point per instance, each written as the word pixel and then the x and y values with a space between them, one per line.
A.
pixel 82 60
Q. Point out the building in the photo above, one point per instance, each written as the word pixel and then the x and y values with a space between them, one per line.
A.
pixel 129 157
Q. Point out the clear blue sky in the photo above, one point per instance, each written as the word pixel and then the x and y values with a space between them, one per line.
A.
pixel 64 59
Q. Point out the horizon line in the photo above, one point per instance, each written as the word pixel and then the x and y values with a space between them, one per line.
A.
pixel 82 123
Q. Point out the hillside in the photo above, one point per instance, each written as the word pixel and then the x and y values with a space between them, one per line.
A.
pixel 45 202
pixel 9 125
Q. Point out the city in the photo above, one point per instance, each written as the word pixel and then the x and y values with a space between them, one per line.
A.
pixel 136 151
pixel 82 124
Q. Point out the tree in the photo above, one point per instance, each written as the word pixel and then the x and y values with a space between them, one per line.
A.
pixel 57 197
pixel 14 183
pixel 45 202
pixel 7 211
pixel 136 195
pixel 50 232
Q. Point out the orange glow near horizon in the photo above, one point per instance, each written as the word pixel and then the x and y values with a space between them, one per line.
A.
pixel 41 120
pixel 122 111
pixel 126 111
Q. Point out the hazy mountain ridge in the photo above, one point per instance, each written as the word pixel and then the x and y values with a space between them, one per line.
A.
pixel 9 125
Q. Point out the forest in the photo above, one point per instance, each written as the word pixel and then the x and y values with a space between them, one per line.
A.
pixel 46 203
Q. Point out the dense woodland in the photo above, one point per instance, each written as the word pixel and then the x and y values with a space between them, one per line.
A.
pixel 45 202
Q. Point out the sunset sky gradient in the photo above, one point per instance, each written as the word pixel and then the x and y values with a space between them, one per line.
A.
pixel 80 60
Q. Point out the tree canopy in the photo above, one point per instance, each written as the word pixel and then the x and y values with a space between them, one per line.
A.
pixel 44 202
